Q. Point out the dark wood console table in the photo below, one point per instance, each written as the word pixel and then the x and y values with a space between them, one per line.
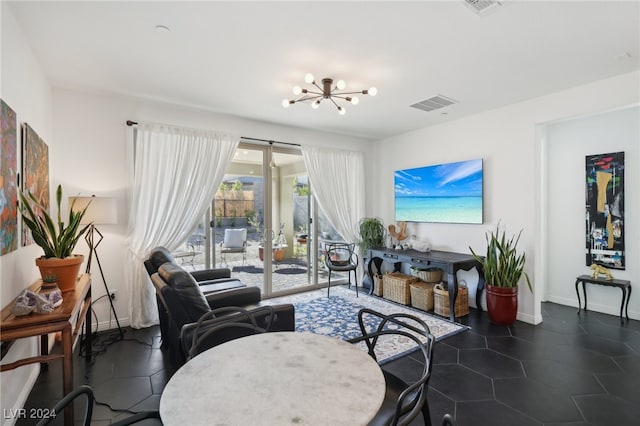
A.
pixel 67 318
pixel 449 262
pixel 624 285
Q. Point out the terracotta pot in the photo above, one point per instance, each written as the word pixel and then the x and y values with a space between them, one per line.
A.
pixel 65 270
pixel 278 254
pixel 502 304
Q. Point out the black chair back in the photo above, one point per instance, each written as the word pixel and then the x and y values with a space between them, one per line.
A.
pixel 403 401
pixel 87 391
pixel 341 257
pixel 234 322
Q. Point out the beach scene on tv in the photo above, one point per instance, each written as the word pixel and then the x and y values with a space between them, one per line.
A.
pixel 448 193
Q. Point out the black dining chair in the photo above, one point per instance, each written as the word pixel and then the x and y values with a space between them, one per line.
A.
pixel 232 323
pixel 87 392
pixel 341 257
pixel 402 401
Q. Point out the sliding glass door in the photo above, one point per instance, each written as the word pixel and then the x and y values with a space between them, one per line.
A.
pixel 263 224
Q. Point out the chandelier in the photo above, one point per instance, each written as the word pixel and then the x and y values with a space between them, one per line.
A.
pixel 326 91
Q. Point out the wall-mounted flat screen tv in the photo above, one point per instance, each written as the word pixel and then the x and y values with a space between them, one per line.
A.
pixel 448 193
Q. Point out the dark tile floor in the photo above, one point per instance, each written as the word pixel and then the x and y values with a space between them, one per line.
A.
pixel 570 370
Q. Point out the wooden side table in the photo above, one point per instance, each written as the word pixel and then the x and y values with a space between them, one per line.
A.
pixel 67 318
pixel 624 285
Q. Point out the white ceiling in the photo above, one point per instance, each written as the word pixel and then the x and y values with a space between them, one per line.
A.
pixel 243 58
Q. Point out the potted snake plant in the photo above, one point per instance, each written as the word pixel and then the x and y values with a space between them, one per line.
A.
pixel 503 267
pixel 57 239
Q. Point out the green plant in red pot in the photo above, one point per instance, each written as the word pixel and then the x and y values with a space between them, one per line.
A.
pixel 56 239
pixel 503 267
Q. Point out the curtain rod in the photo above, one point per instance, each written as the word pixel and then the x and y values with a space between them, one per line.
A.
pixel 135 123
pixel 269 141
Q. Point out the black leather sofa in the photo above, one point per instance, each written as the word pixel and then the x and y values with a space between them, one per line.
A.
pixel 183 303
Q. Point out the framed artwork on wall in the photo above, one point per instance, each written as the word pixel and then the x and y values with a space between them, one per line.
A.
pixel 604 214
pixel 440 193
pixel 8 179
pixel 35 172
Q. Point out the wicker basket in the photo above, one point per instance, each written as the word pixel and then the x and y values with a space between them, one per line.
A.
pixel 430 275
pixel 377 284
pixel 422 295
pixel 441 301
pixel 396 287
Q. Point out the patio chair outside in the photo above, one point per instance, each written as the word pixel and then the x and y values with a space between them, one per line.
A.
pixel 235 241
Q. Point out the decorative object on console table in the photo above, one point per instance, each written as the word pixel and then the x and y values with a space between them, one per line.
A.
pixel 57 242
pixel 372 234
pixel 98 211
pixel 400 234
pixel 503 267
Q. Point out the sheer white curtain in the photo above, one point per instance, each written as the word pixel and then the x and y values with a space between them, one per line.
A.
pixel 175 174
pixel 337 181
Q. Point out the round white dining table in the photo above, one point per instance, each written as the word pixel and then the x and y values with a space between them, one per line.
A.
pixel 280 378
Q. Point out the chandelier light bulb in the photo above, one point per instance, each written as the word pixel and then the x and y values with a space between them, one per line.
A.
pixel 355 100
pixel 315 104
pixel 341 84
pixel 286 103
pixel 297 90
pixel 373 91
pixel 308 78
pixel 342 111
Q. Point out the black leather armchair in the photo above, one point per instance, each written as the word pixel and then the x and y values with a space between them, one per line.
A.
pixel 209 280
pixel 184 304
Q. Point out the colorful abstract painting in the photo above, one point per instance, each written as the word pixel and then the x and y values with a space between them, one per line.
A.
pixel 35 172
pixel 605 210
pixel 8 180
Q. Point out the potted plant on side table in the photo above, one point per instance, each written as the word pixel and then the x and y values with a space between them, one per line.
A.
pixel 56 239
pixel 503 267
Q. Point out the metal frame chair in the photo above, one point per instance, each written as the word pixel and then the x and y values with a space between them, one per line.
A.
pixel 341 257
pixel 243 321
pixel 403 401
pixel 87 391
pixel 227 248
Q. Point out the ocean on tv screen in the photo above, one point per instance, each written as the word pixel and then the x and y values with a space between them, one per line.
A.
pixel 439 209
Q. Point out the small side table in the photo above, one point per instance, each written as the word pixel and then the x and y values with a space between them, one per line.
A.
pixel 624 285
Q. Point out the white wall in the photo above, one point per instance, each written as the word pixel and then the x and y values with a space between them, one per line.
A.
pixel 506 139
pixel 26 90
pixel 568 142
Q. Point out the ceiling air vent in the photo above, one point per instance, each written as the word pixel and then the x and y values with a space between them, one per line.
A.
pixel 481 7
pixel 433 103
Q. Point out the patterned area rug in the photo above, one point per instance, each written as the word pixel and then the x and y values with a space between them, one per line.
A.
pixel 337 316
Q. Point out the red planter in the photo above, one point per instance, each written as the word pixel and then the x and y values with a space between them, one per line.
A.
pixel 502 304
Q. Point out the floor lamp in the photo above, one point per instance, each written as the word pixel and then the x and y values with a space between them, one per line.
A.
pixel 100 211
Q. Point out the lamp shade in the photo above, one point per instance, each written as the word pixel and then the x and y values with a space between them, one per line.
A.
pixel 100 210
